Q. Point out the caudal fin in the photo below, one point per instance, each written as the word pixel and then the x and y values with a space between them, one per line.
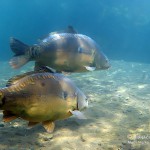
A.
pixel 18 61
pixel 20 49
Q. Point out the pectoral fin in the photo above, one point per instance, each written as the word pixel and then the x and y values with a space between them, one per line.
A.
pixel 49 126
pixel 45 69
pixel 90 68
pixel 78 114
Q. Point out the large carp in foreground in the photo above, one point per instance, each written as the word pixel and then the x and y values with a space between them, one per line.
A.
pixel 41 97
pixel 63 51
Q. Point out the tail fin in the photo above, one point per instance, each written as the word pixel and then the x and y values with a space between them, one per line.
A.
pixel 20 49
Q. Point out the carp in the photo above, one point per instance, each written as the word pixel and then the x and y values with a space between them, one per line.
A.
pixel 41 97
pixel 65 51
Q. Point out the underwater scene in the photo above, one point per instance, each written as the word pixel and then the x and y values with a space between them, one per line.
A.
pixel 75 75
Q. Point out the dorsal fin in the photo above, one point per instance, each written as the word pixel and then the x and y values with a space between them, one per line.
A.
pixel 40 70
pixel 69 29
pixel 17 77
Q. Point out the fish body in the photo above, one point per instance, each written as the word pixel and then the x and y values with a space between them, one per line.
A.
pixel 63 51
pixel 41 97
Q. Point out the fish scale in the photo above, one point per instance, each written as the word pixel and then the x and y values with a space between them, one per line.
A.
pixel 57 49
pixel 30 80
pixel 51 97
pixel 57 36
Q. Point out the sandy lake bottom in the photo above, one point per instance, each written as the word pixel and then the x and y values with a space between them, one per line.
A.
pixel 118 117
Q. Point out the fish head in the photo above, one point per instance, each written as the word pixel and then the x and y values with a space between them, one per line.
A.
pixel 73 94
pixel 101 61
pixel 93 58
pixel 82 101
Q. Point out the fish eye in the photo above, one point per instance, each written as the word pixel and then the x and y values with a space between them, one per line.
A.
pixel 86 99
pixel 65 94
pixel 80 50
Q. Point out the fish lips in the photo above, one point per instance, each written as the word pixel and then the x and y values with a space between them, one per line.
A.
pixel 81 106
pixel 103 67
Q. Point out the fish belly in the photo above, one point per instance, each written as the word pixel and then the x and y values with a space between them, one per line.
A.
pixel 44 109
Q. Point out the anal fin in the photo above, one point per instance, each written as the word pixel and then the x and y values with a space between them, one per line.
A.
pixel 65 73
pixel 49 126
pixel 7 116
pixel 31 124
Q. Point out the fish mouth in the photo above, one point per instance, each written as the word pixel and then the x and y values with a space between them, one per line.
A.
pixel 84 108
pixel 104 67
pixel 77 106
